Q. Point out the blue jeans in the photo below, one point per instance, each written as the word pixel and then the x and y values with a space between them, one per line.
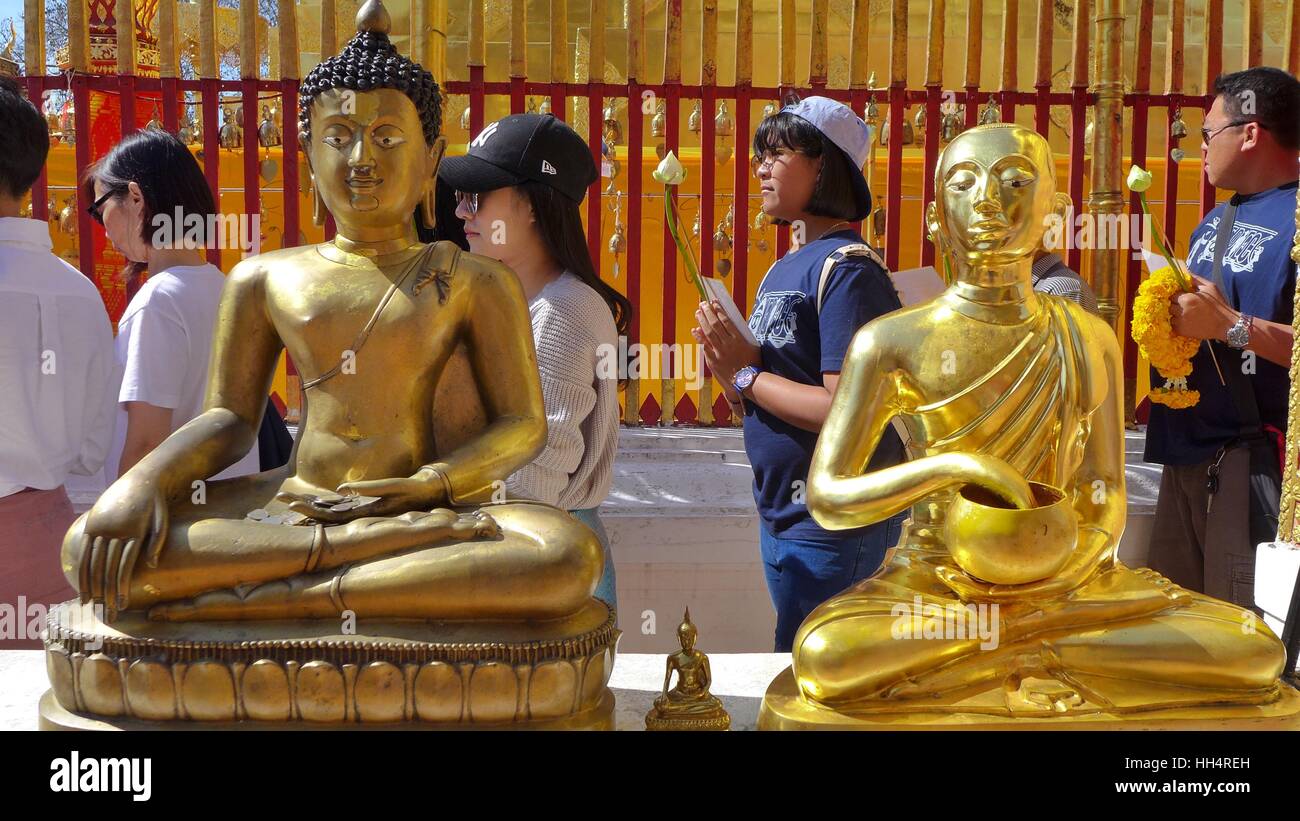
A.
pixel 607 590
pixel 802 573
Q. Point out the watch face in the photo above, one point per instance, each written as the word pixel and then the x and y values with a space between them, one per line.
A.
pixel 744 378
pixel 1239 334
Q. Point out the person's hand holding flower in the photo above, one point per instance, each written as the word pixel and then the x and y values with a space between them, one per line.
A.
pixel 1202 313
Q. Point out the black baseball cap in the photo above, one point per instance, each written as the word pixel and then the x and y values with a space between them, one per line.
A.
pixel 537 147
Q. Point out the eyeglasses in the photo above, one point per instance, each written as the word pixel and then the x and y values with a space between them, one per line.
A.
pixel 768 159
pixel 93 208
pixel 468 199
pixel 1207 134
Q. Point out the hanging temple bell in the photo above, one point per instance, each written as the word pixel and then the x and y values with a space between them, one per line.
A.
pixel 659 127
pixel 268 133
pixel 724 127
pixel 611 130
pixel 952 117
pixel 1177 130
pixel 992 113
pixel 696 120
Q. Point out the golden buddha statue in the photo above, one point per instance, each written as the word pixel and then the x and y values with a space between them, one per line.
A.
pixel 422 396
pixel 1012 403
pixel 688 705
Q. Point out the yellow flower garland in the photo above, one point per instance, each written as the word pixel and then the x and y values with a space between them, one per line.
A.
pixel 1170 353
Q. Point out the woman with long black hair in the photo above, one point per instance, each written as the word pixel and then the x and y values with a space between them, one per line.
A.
pixel 519 190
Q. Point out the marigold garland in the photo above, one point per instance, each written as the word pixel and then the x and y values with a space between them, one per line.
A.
pixel 1170 353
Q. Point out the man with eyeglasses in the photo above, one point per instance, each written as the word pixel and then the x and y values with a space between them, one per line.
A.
pixel 58 380
pixel 1220 487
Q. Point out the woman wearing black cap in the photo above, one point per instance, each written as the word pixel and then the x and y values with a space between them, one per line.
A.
pixel 518 192
pixel 808 160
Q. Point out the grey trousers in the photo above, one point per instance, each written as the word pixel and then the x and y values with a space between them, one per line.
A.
pixel 1204 544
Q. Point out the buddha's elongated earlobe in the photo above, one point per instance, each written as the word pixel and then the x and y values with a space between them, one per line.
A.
pixel 935 235
pixel 429 199
pixel 428 205
pixel 318 210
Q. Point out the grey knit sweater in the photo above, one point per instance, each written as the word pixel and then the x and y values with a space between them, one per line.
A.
pixel 572 330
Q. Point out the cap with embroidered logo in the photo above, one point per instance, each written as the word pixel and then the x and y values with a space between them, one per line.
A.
pixel 520 147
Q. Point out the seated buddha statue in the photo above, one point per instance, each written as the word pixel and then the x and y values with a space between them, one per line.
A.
pixel 1012 403
pixel 688 705
pixel 421 393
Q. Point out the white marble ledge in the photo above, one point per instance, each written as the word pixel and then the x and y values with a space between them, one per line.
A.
pixel 739 680
pixel 1277 571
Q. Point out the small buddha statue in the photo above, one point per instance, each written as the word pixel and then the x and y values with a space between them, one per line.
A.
pixel 421 396
pixel 1012 401
pixel 688 705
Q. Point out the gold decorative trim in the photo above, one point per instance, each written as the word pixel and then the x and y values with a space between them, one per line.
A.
pixel 1286 522
pixel 721 723
pixel 333 650
pixel 331 681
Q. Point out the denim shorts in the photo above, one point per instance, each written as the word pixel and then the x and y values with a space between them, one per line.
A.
pixel 803 573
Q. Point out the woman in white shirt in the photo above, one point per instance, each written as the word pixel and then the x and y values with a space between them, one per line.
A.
pixel 519 190
pixel 150 195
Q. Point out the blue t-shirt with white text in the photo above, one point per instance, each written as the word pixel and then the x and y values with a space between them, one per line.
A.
pixel 1260 277
pixel 797 343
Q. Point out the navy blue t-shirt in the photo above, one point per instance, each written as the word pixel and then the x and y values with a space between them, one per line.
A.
pixel 1260 277
pixel 798 344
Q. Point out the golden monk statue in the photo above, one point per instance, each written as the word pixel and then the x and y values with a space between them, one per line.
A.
pixel 688 705
pixel 422 396
pixel 1012 403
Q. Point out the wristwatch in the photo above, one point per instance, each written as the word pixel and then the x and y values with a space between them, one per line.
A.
pixel 744 378
pixel 1239 334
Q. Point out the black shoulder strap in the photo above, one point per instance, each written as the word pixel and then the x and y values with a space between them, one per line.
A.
pixel 1243 395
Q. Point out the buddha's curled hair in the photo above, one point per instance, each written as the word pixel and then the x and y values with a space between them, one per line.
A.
pixel 370 61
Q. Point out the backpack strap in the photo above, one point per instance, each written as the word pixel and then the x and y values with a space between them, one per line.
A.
pixel 852 249
pixel 1243 394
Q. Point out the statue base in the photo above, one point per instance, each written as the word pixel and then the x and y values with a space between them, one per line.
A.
pixel 53 717
pixel 714 724
pixel 137 674
pixel 715 718
pixel 785 708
